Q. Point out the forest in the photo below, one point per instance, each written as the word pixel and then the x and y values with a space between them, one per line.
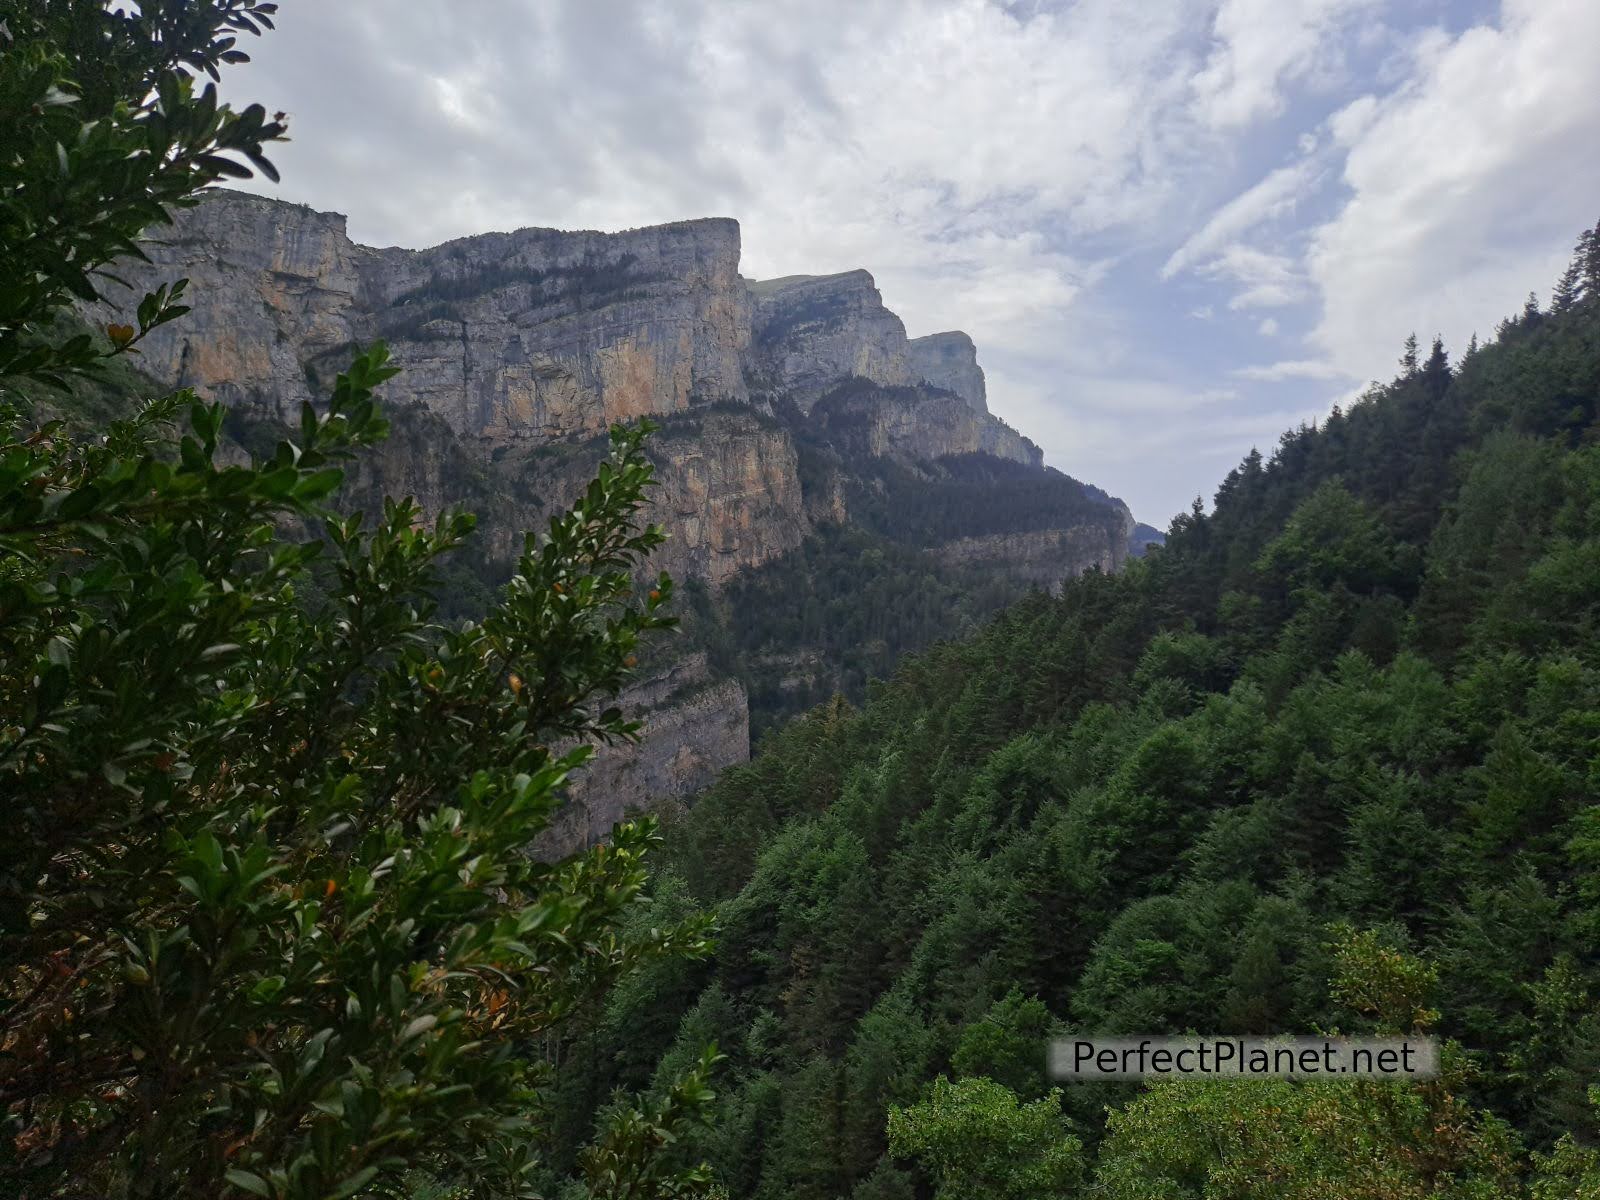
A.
pixel 1324 762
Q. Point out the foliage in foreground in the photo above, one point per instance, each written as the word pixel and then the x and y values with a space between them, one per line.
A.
pixel 269 922
pixel 270 915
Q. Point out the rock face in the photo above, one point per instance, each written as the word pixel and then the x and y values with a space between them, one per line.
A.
pixel 1142 538
pixel 950 361
pixel 1046 558
pixel 522 336
pixel 813 331
pixel 518 350
pixel 696 725
pixel 917 423
pixel 728 491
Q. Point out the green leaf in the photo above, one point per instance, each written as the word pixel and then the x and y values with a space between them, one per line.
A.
pixel 249 1182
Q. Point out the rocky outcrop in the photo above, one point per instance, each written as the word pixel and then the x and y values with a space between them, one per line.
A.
pixel 727 491
pixel 1046 558
pixel 917 423
pixel 696 724
pixel 1142 538
pixel 523 336
pixel 950 361
pixel 811 332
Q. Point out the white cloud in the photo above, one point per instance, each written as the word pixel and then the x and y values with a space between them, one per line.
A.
pixel 1468 185
pixel 1354 119
pixel 1271 197
pixel 1261 45
pixel 1268 328
pixel 931 141
pixel 1268 280
pixel 1299 369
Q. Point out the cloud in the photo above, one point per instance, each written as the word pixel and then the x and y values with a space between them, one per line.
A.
pixel 1268 280
pixel 1116 200
pixel 1299 369
pixel 1261 45
pixel 943 145
pixel 1272 197
pixel 1466 185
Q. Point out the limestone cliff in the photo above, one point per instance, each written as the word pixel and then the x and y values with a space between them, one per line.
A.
pixel 728 491
pixel 810 332
pixel 950 361
pixel 1045 558
pixel 695 724
pixel 919 423
pixel 784 404
pixel 522 336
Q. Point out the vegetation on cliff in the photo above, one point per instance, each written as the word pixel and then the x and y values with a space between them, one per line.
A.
pixel 859 593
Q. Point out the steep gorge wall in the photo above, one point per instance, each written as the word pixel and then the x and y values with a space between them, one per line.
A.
pixel 810 332
pixel 918 423
pixel 523 336
pixel 1045 558
pixel 695 726
pixel 950 361
pixel 518 350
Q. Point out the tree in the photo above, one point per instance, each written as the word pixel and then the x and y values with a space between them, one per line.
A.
pixel 1581 280
pixel 270 923
pixel 1409 360
pixel 976 1139
pixel 1318 1140
pixel 1436 371
pixel 1568 288
pixel 1589 256
pixel 1005 1045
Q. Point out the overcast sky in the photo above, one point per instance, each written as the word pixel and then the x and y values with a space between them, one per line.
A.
pixel 1173 227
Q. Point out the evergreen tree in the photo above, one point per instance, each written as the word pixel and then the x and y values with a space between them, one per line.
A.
pixel 1436 371
pixel 1569 288
pixel 1409 363
pixel 1587 258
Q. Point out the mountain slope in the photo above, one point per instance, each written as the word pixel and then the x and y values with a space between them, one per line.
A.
pixel 1363 694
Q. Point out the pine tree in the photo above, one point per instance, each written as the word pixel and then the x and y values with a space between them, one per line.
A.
pixel 1569 287
pixel 1436 371
pixel 1408 360
pixel 1588 256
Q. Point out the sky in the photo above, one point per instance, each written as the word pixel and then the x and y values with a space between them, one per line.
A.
pixel 1174 228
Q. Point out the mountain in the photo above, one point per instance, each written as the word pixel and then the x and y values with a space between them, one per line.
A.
pixel 836 492
pixel 1327 759
pixel 1143 537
